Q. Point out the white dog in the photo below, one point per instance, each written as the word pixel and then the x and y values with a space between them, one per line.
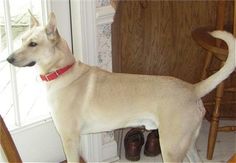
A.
pixel 86 99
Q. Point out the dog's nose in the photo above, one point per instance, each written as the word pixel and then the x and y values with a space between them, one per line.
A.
pixel 10 59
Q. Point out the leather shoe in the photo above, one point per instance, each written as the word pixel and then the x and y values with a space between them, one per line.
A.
pixel 133 142
pixel 152 146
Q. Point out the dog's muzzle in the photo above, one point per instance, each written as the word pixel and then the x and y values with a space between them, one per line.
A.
pixel 30 64
pixel 12 61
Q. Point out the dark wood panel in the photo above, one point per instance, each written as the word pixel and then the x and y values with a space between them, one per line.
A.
pixel 154 37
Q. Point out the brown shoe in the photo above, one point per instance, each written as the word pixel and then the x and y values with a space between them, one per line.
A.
pixel 152 146
pixel 133 142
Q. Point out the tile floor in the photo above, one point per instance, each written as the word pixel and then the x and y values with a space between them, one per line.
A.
pixel 224 149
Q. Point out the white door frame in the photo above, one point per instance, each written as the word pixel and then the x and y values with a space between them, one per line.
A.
pixel 61 8
pixel 85 17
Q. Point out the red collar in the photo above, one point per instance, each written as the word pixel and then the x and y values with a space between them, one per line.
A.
pixel 55 74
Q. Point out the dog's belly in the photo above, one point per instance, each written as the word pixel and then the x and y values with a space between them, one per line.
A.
pixel 98 126
pixel 149 124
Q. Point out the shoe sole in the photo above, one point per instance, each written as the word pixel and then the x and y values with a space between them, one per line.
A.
pixel 132 158
pixel 150 154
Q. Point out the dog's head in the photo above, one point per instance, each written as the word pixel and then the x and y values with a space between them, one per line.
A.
pixel 38 44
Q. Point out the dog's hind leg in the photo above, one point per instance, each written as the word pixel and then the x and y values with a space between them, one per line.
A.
pixel 192 153
pixel 71 148
pixel 174 145
pixel 176 137
pixel 171 151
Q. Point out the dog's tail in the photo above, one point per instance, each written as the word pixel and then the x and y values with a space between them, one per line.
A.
pixel 204 87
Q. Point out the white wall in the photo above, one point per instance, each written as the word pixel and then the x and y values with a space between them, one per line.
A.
pixel 40 143
pixel 61 8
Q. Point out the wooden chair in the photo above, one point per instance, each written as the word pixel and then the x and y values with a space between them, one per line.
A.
pixel 232 159
pixel 218 49
pixel 7 144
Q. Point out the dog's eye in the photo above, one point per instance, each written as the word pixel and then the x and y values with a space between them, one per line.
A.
pixel 33 44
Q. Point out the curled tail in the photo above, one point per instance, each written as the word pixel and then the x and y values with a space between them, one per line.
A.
pixel 204 87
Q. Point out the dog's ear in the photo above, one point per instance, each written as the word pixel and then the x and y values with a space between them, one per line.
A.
pixel 51 28
pixel 33 21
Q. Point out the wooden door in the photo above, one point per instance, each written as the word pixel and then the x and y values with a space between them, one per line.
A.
pixel 154 37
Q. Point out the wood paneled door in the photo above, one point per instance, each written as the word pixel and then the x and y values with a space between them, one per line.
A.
pixel 154 37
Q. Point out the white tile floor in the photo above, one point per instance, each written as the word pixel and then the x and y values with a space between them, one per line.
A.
pixel 224 149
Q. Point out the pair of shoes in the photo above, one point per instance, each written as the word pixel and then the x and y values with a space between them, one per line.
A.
pixel 133 142
pixel 152 146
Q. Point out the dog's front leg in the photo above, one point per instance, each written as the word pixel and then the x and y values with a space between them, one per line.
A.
pixel 71 148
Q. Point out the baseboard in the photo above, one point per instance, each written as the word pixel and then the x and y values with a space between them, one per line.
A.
pixel 109 152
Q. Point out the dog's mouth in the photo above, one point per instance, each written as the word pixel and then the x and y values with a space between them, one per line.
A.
pixel 13 61
pixel 30 64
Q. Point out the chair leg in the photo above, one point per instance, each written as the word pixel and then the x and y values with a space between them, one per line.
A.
pixel 206 65
pixel 215 121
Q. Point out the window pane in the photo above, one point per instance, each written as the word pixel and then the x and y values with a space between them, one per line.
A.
pixel 31 94
pixel 31 91
pixel 6 109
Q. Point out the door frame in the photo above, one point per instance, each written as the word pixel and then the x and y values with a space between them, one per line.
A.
pixel 85 17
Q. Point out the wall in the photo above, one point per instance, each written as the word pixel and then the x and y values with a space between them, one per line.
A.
pixel 39 143
pixel 104 57
pixel 104 54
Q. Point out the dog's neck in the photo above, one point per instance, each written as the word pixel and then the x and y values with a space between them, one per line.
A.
pixel 62 57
